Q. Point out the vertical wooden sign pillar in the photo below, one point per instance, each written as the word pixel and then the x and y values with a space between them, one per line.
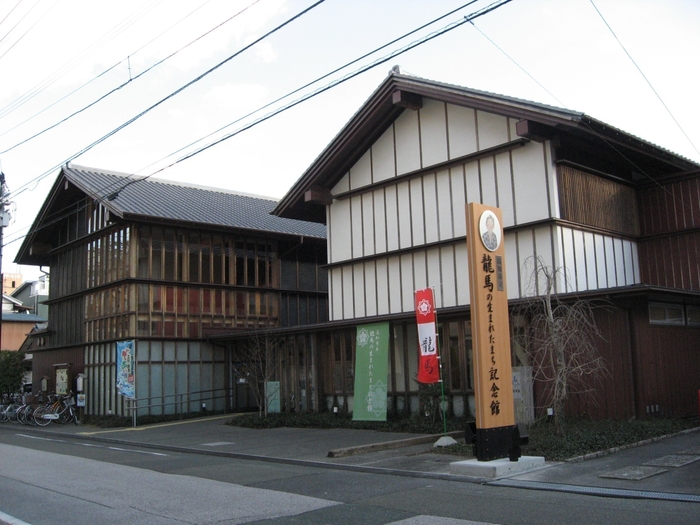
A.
pixel 496 432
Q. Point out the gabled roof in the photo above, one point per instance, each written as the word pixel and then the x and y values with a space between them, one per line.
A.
pixel 160 201
pixel 399 91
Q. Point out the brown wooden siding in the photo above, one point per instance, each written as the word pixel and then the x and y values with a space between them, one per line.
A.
pixel 588 199
pixel 672 261
pixel 669 207
pixel 43 365
pixel 669 250
pixel 611 396
pixel 667 367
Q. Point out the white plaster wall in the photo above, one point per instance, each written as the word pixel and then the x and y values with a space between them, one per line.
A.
pixel 431 209
pixel 433 132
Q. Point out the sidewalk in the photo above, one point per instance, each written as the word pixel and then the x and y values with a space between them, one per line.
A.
pixel 668 468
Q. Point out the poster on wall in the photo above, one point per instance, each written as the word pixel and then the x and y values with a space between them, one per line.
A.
pixel 62 381
pixel 126 369
pixel 371 372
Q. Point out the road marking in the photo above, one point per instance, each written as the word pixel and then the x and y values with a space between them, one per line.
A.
pixel 218 444
pixel 137 451
pixel 42 439
pixel 96 446
pixel 11 520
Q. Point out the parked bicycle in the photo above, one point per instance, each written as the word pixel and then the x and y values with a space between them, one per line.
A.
pixel 61 408
pixel 8 411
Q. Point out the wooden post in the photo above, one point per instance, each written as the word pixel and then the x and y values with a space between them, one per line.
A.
pixel 493 375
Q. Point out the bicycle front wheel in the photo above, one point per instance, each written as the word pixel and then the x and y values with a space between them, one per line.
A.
pixel 39 418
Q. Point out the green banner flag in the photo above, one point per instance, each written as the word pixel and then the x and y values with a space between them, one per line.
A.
pixel 371 365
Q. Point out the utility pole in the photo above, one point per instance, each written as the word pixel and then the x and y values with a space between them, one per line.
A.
pixel 3 223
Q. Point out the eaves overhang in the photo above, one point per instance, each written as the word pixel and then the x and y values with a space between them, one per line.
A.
pixel 384 106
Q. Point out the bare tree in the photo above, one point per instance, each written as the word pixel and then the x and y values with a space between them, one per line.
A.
pixel 258 366
pixel 561 341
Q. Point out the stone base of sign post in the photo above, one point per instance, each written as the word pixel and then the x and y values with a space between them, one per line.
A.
pixel 496 443
pixel 496 468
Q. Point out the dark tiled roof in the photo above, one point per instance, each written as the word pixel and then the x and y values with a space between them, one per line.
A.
pixel 139 197
pixel 22 318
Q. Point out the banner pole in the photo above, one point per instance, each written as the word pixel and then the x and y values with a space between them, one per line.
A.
pixel 442 382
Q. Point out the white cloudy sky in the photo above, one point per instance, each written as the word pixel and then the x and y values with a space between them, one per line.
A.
pixel 58 56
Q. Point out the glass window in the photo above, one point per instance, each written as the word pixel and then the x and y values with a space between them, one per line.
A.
pixel 206 260
pixel 157 254
pixel 289 275
pixel 206 301
pixel 217 252
pixel 194 302
pixel 240 263
pixel 169 299
pixel 307 275
pixel 262 265
pixel 194 258
pixel 250 268
pixel 693 315
pixel 144 248
pixel 169 262
pixel 143 298
pixel 665 313
pixel 157 300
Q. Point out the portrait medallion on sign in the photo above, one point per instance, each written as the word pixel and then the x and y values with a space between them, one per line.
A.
pixel 490 231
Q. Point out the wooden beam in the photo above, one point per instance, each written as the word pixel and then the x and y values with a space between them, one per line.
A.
pixel 407 100
pixel 318 195
pixel 533 130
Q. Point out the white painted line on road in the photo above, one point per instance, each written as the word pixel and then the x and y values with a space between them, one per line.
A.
pixel 137 451
pixel 42 439
pixel 96 446
pixel 11 520
pixel 437 520
pixel 218 444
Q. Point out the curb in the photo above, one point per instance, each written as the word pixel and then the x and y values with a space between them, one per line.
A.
pixel 389 445
pixel 601 453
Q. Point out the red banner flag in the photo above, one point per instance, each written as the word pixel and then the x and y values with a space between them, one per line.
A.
pixel 428 365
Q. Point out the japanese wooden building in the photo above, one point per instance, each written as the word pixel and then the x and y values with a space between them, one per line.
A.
pixel 618 215
pixel 166 265
pixel 192 273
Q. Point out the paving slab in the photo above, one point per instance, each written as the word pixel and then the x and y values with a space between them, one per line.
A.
pixel 633 473
pixel 672 460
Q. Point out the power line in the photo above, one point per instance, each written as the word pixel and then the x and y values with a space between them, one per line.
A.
pixel 60 72
pixel 315 81
pixel 106 190
pixel 18 21
pixel 518 65
pixel 583 121
pixel 92 80
pixel 644 77
pixel 333 84
pixel 168 97
pixel 57 102
pixel 28 30
pixel 123 84
pixel 8 15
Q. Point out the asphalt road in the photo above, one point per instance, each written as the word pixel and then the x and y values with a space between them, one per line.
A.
pixel 45 479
